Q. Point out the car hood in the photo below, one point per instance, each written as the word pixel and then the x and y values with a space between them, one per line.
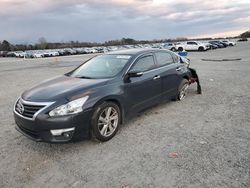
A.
pixel 61 87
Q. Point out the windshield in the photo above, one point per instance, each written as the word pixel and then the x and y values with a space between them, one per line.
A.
pixel 105 66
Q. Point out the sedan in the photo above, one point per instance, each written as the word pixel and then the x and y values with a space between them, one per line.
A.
pixel 169 46
pixel 94 99
pixel 229 43
pixel 219 45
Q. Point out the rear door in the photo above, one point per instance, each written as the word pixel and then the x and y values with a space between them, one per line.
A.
pixel 144 91
pixel 169 69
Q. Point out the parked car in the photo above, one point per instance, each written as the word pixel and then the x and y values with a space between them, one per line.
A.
pixel 3 53
pixel 19 54
pixel 212 46
pixel 229 43
pixel 146 46
pixel 95 98
pixel 10 54
pixel 61 52
pixel 29 54
pixel 243 40
pixel 38 55
pixel 191 46
pixel 218 44
pixel 93 50
pixel 208 45
pixel 169 46
pixel 155 45
pixel 53 53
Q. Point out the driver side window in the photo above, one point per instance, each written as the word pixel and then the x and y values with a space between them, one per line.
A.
pixel 144 64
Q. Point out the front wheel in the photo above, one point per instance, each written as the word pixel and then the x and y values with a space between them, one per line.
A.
pixel 201 48
pixel 105 121
pixel 180 49
pixel 182 90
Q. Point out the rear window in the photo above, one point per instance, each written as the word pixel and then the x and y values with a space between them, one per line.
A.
pixel 176 58
pixel 192 43
pixel 144 64
pixel 164 58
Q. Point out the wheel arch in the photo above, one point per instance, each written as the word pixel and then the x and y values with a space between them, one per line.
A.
pixel 115 100
pixel 180 48
pixel 186 76
pixel 201 48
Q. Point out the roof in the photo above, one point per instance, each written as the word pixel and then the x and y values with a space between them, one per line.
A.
pixel 136 51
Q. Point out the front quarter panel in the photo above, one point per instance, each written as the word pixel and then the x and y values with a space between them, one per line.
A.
pixel 111 91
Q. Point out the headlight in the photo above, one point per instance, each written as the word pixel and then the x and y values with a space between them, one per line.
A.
pixel 72 107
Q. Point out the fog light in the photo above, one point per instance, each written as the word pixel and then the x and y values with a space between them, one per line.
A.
pixel 67 134
pixel 59 132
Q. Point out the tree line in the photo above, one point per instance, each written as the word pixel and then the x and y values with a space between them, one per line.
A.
pixel 245 34
pixel 43 44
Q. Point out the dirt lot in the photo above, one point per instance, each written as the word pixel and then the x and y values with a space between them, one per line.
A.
pixel 209 134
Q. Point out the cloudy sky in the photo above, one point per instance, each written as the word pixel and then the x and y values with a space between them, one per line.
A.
pixel 24 21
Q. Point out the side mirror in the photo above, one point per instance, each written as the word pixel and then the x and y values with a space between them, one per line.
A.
pixel 134 74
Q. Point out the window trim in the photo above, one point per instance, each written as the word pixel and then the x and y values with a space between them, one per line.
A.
pixel 140 57
pixel 157 63
pixel 145 54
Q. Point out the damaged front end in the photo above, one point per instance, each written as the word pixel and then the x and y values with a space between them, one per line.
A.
pixel 193 76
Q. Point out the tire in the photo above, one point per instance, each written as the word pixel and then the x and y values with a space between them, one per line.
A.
pixel 182 88
pixel 103 128
pixel 173 49
pixel 180 49
pixel 230 44
pixel 201 48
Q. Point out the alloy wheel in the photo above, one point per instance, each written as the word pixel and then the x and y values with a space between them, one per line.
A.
pixel 183 92
pixel 108 121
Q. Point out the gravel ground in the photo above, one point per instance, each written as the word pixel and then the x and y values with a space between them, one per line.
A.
pixel 203 141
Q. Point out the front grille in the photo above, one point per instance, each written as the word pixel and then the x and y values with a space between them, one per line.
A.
pixel 27 110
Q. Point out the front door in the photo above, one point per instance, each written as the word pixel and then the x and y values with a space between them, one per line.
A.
pixel 142 92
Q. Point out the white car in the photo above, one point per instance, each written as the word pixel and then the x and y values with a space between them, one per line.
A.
pixel 93 50
pixel 38 55
pixel 169 46
pixel 191 45
pixel 229 43
pixel 19 54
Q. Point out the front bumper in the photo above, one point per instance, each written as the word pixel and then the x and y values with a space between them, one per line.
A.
pixel 40 128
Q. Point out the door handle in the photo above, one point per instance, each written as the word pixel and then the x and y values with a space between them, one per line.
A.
pixel 178 69
pixel 156 77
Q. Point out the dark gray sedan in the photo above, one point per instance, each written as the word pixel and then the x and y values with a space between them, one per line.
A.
pixel 95 98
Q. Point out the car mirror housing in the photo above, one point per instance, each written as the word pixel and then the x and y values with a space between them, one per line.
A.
pixel 132 74
pixel 135 74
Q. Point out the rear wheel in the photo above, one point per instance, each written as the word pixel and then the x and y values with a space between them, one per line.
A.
pixel 182 91
pixel 106 121
pixel 180 49
pixel 173 49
